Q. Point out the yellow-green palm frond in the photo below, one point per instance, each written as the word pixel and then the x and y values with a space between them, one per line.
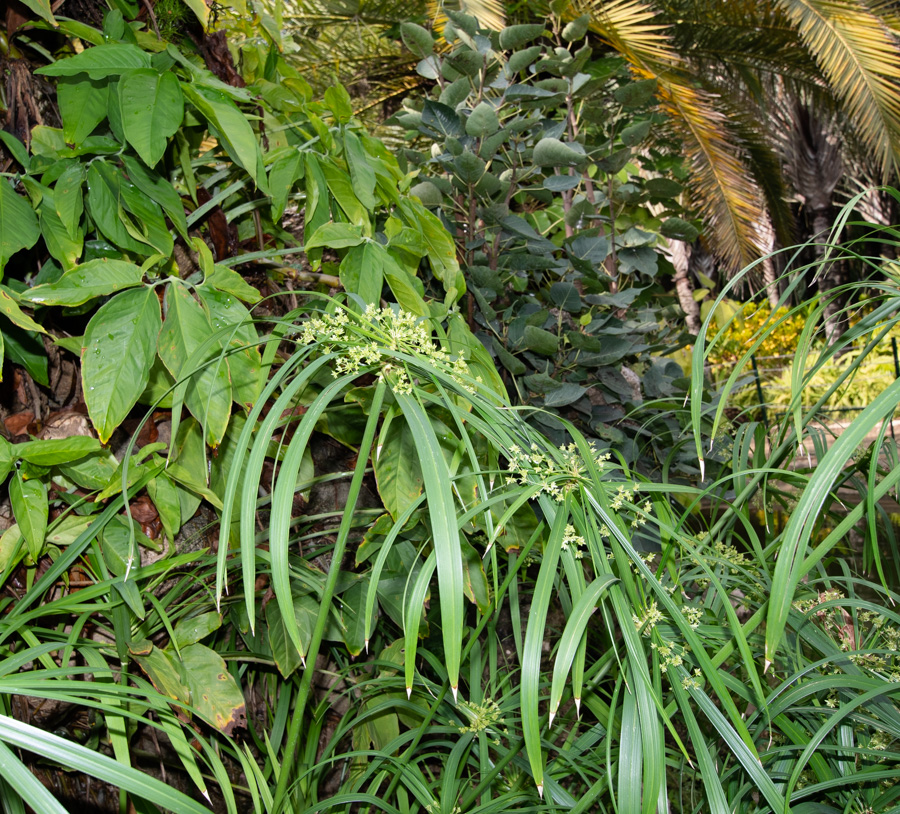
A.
pixel 860 58
pixel 721 188
pixel 630 27
pixel 730 203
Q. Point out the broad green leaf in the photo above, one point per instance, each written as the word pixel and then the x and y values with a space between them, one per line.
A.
pixel 119 349
pixel 679 229
pixel 214 693
pixel 161 669
pixel 184 349
pixel 47 141
pixel 12 550
pixel 475 581
pixel 105 205
pixel 119 543
pixel 83 103
pixel 93 472
pixel 335 236
pixel 228 315
pixel 317 206
pixel 65 248
pixel 69 199
pixel 287 657
pixel 441 248
pixel 361 173
pixel 341 187
pixel 150 225
pixel 164 494
pixel 43 9
pixel 541 341
pixel 56 451
pixel 99 62
pixel 230 282
pixel 397 471
pixel 18 224
pixel 193 629
pixel 200 9
pixel 352 616
pixel 26 348
pixel 283 173
pixel 232 129
pixel 30 507
pixel 362 272
pixel 152 108
pixel 96 278
pixel 337 100
pixel 10 309
pixel 7 458
pixel 407 290
pixel 576 29
pixel 16 149
pixel 636 94
pixel 157 189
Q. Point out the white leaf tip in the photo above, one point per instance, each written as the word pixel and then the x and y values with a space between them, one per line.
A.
pixel 540 788
pixel 578 707
pixel 455 691
pixel 552 716
pixel 408 693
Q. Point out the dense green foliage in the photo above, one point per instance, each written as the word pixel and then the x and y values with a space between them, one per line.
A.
pixel 494 610
pixel 531 152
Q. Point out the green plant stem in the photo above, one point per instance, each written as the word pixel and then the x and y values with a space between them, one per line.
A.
pixel 334 570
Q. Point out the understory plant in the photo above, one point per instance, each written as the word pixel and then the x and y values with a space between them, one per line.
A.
pixel 543 157
pixel 479 617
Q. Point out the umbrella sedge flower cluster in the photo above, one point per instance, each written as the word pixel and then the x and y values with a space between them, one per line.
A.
pixel 373 339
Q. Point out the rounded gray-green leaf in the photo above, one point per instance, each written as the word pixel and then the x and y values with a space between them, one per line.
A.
pixel 417 39
pixel 634 134
pixel 577 28
pixel 551 152
pixel 482 121
pixel 469 167
pixel 541 341
pixel 515 36
pixel 679 229
pixel 522 59
pixel 119 349
pixel 427 193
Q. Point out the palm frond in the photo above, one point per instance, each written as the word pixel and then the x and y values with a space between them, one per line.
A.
pixel 730 206
pixel 858 55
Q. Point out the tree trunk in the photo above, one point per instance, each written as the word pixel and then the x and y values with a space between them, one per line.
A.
pixel 684 285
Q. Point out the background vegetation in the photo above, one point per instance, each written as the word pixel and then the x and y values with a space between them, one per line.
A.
pixel 356 471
